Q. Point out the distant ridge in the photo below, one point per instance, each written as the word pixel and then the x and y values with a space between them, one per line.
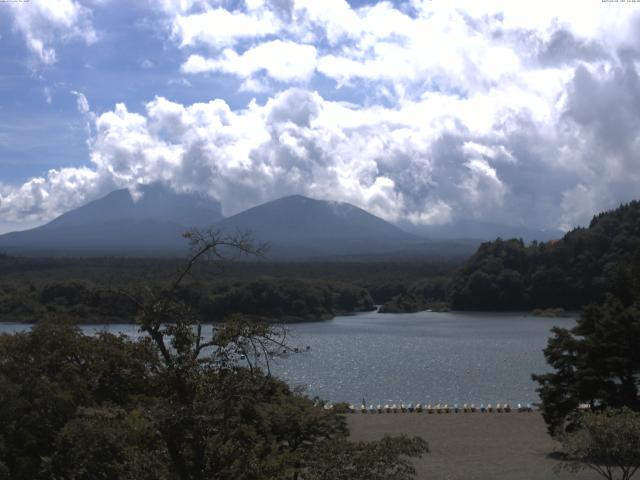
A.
pixel 116 224
pixel 481 231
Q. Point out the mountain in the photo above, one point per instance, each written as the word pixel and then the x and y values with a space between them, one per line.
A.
pixel 298 227
pixel 118 224
pixel 295 227
pixel 480 231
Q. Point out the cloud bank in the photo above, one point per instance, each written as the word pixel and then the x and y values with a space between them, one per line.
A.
pixel 523 114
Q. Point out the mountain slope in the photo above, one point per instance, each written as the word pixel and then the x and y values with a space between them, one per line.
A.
pixel 118 224
pixel 298 226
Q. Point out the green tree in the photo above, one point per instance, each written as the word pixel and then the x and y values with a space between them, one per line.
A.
pixel 109 443
pixel 596 363
pixel 48 374
pixel 607 443
pixel 387 459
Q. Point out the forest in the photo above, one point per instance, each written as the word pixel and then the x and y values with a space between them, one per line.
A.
pixel 574 271
pixel 91 290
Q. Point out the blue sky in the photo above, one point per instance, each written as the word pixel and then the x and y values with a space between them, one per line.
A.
pixel 133 62
pixel 419 111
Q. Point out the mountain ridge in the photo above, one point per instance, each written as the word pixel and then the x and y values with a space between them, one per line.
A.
pixel 119 224
pixel 301 227
pixel 298 228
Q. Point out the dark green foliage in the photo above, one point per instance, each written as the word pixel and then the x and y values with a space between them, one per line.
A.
pixel 598 361
pixel 269 298
pixel 79 407
pixel 109 443
pixel 48 374
pixel 387 459
pixel 89 290
pixel 286 299
pixel 421 295
pixel 607 443
pixel 570 273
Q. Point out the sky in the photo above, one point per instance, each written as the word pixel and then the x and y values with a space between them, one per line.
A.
pixel 429 112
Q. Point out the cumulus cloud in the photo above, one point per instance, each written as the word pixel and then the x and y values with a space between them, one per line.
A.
pixel 508 112
pixel 402 163
pixel 457 47
pixel 220 27
pixel 44 24
pixel 280 60
pixel 59 191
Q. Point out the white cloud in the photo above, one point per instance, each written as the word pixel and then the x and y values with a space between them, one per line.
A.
pixel 82 105
pixel 45 24
pixel 505 111
pixel 174 7
pixel 386 160
pixel 81 102
pixel 436 214
pixel 280 60
pixel 61 190
pixel 220 27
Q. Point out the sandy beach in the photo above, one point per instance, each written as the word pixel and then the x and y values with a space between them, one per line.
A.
pixel 473 446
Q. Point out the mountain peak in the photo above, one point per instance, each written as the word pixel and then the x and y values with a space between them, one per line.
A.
pixel 299 226
pixel 121 223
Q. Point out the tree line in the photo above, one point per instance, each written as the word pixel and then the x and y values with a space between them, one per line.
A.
pixel 276 299
pixel 568 273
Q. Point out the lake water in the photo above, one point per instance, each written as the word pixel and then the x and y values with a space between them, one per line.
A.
pixel 425 357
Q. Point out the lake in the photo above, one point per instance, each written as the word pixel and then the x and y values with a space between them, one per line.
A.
pixel 425 357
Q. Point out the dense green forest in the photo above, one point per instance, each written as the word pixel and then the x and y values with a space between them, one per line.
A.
pixel 96 290
pixel 268 298
pixel 574 271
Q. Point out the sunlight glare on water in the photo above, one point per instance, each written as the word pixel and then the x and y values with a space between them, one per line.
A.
pixel 425 357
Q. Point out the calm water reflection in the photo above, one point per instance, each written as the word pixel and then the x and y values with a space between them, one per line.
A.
pixel 424 357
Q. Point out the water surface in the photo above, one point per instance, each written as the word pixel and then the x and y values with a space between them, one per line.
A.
pixel 425 357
